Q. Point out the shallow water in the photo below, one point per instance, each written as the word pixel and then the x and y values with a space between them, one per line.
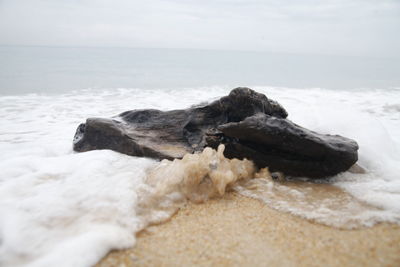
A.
pixel 78 206
pixel 321 202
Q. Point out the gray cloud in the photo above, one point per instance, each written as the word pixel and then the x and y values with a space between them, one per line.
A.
pixel 358 27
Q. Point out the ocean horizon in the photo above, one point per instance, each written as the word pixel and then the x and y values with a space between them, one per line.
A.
pixel 44 69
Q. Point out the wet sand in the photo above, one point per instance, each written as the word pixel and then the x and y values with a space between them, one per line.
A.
pixel 239 231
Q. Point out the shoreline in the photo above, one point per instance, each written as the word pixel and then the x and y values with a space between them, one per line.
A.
pixel 235 230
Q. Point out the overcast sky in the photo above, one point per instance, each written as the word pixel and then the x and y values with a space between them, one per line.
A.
pixel 348 27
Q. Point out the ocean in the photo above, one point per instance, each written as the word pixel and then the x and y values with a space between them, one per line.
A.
pixel 58 207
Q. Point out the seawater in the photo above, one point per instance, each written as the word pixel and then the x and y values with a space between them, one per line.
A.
pixel 61 207
pixel 60 69
pixel 58 207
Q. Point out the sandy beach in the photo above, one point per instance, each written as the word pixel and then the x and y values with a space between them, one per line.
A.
pixel 239 231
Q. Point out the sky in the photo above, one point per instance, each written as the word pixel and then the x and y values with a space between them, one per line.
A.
pixel 332 27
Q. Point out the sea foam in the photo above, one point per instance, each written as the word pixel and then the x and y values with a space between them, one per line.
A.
pixel 58 207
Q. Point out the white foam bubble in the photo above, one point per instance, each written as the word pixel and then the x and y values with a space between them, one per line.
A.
pixel 55 207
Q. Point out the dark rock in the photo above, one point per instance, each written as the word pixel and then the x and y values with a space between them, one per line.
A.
pixel 248 123
pixel 285 146
pixel 170 134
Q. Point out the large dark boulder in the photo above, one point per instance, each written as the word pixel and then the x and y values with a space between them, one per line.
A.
pixel 171 134
pixel 248 123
